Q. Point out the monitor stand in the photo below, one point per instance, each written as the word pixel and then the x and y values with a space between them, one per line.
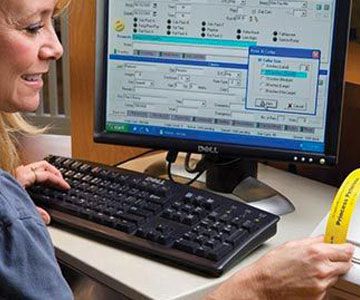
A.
pixel 236 180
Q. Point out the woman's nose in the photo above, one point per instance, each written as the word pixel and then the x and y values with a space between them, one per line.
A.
pixel 52 48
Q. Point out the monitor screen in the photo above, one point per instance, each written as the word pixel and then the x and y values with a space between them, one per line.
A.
pixel 253 78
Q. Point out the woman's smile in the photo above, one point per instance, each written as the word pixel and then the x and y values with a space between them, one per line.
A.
pixel 34 81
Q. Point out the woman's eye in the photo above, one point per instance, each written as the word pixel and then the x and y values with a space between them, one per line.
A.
pixel 34 29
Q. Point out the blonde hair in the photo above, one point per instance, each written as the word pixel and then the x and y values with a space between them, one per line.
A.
pixel 13 125
pixel 60 6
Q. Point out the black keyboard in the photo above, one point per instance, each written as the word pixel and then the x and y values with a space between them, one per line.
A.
pixel 174 223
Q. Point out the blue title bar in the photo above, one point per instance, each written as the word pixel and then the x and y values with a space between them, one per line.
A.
pixel 189 62
pixel 193 41
pixel 285 52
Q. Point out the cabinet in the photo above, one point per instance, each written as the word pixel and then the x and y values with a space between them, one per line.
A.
pixel 344 291
pixel 82 78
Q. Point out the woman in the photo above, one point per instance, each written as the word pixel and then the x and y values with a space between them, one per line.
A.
pixel 28 268
pixel 297 270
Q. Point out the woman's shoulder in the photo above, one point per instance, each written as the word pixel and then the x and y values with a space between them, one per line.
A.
pixel 15 202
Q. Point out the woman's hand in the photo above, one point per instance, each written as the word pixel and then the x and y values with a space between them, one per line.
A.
pixel 303 269
pixel 44 173
pixel 40 172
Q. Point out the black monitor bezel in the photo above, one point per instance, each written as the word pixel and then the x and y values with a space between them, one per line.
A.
pixel 333 121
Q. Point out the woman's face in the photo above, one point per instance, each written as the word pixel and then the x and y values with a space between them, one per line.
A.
pixel 27 45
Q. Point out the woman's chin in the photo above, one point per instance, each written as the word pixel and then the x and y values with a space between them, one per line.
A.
pixel 30 108
pixel 30 104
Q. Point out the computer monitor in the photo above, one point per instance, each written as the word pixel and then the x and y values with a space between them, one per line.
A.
pixel 256 79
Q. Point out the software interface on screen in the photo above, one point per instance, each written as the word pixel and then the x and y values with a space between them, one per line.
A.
pixel 246 72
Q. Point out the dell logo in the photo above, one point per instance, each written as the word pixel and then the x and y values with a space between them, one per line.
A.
pixel 208 149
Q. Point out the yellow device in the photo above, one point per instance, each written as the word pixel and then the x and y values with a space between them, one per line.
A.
pixel 342 209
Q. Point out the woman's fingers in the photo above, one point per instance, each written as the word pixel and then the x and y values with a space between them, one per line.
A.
pixel 44 215
pixel 44 176
pixel 45 166
pixel 40 172
pixel 340 252
pixel 342 267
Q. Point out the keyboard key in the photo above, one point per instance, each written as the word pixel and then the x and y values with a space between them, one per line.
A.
pixel 165 239
pixel 202 251
pixel 185 245
pixel 220 251
pixel 126 226
pixel 190 219
pixel 133 218
pixel 250 226
pixel 237 237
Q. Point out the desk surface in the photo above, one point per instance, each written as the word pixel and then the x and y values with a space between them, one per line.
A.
pixel 141 278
